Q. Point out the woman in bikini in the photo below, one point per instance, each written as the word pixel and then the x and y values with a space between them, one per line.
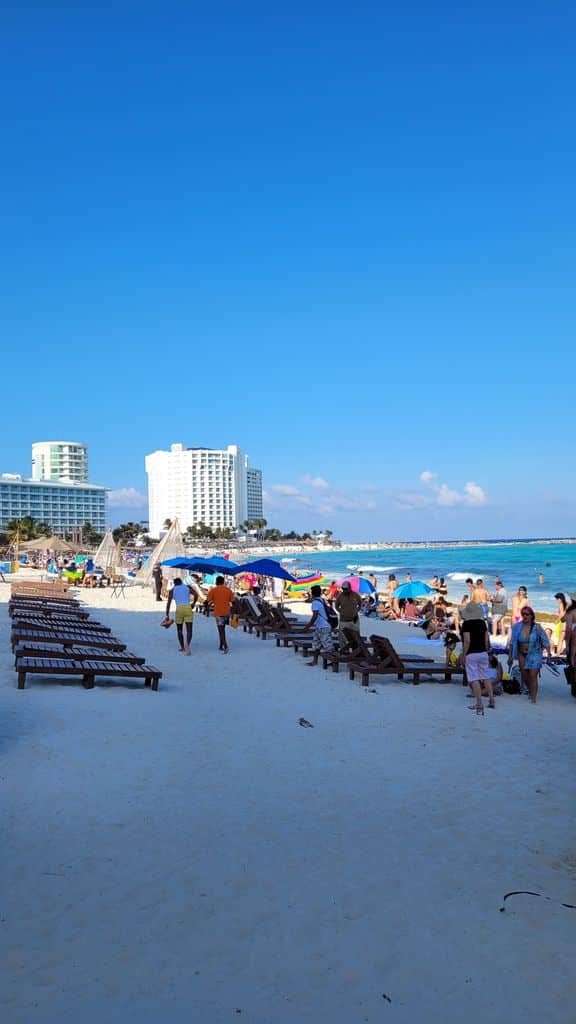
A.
pixel 519 601
pixel 527 643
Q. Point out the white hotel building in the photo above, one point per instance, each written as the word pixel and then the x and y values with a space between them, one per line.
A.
pixel 202 485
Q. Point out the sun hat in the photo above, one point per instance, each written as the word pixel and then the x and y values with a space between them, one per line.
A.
pixel 471 611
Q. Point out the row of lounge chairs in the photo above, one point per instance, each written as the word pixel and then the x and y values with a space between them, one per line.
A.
pixel 362 657
pixel 54 636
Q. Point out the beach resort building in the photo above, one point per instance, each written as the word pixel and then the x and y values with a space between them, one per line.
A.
pixel 201 485
pixel 254 493
pixel 64 506
pixel 60 460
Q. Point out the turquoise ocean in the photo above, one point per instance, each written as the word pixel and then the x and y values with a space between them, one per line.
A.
pixel 517 564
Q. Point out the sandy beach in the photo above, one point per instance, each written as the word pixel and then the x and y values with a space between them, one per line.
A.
pixel 196 855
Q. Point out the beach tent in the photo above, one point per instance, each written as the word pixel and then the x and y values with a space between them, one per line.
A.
pixel 266 567
pixel 171 546
pixel 106 556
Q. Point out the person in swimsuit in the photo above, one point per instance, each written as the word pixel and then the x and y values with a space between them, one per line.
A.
pixel 527 643
pixel 519 601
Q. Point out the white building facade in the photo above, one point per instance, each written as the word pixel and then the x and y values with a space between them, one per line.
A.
pixel 60 460
pixel 199 485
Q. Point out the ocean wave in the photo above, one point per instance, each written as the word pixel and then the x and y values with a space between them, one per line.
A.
pixel 464 575
pixel 373 568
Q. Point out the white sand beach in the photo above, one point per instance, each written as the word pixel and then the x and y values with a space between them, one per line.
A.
pixel 196 855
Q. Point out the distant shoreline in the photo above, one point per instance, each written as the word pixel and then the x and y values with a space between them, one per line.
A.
pixel 326 549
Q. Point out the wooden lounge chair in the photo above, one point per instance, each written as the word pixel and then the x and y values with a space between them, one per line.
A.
pixel 88 670
pixel 387 661
pixel 47 611
pixel 41 623
pixel 40 589
pixel 75 653
pixel 44 602
pixel 67 638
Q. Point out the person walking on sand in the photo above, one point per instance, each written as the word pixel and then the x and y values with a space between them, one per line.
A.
pixel 320 623
pixel 184 602
pixel 157 579
pixel 527 643
pixel 475 647
pixel 221 598
pixel 519 601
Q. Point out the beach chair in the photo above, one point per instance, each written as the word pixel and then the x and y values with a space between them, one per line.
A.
pixel 386 661
pixel 88 670
pixel 40 622
pixel 41 649
pixel 68 638
pixel 19 608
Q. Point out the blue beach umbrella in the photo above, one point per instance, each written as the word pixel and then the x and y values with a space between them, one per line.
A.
pixel 265 567
pixel 216 564
pixel 415 589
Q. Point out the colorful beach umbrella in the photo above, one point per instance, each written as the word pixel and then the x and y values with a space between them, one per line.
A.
pixel 303 583
pixel 360 585
pixel 417 588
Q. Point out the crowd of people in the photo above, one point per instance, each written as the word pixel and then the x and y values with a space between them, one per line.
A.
pixel 482 625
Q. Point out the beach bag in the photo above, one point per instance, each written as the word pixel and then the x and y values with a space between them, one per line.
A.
pixel 234 621
pixel 167 622
pixel 331 615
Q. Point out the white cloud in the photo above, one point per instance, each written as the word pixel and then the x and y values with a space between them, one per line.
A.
pixel 316 481
pixel 440 494
pixel 474 494
pixel 127 497
pixel 288 489
pixel 322 499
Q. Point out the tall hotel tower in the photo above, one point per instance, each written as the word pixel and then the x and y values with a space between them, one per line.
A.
pixel 202 485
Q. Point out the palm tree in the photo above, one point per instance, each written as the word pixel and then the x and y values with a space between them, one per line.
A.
pixel 26 528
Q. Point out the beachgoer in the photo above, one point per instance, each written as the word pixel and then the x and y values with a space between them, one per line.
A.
pixel 558 633
pixel 499 606
pixel 184 602
pixel 410 613
pixel 374 581
pixel 496 674
pixel 221 598
pixel 408 578
pixel 470 585
pixel 434 583
pixel 451 641
pixel 527 644
pixel 481 596
pixel 157 580
pixel 475 647
pixel 570 639
pixel 540 577
pixel 443 587
pixel 519 601
pixel 319 622
pixel 332 592
pixel 348 605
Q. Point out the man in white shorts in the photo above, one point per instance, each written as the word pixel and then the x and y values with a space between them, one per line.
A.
pixel 475 647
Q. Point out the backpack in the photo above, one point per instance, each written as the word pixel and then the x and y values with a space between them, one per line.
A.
pixel 331 615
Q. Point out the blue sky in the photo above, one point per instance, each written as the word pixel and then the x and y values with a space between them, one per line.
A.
pixel 340 236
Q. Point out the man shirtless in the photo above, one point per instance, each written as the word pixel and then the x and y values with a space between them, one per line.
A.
pixel 481 596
